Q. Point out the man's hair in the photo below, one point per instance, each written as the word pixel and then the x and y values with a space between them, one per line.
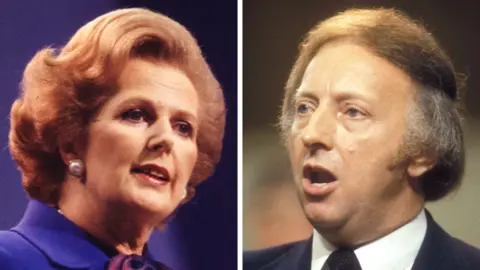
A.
pixel 62 90
pixel 434 123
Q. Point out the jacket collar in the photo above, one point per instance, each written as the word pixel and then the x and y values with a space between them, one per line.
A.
pixel 296 258
pixel 438 250
pixel 63 242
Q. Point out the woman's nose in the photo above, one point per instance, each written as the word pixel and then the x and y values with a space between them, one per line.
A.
pixel 162 138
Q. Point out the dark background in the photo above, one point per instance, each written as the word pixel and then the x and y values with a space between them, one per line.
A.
pixel 273 29
pixel 204 233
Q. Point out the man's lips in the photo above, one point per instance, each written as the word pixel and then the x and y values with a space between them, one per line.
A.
pixel 318 181
pixel 318 174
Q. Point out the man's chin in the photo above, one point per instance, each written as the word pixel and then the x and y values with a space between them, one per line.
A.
pixel 322 216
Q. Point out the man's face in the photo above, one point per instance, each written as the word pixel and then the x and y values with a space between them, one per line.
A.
pixel 350 121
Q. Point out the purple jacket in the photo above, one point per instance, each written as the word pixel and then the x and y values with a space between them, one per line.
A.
pixel 45 239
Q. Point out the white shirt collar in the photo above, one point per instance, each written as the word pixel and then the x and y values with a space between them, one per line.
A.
pixel 395 251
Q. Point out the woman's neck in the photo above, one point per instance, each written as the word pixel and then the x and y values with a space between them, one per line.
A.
pixel 127 230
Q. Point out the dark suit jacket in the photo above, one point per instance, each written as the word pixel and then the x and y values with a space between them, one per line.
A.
pixel 45 239
pixel 439 251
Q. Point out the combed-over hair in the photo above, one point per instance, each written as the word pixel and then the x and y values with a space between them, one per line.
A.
pixel 434 125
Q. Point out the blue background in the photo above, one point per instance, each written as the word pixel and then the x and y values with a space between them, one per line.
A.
pixel 203 234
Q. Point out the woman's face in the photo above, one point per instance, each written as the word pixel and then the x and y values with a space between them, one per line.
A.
pixel 142 143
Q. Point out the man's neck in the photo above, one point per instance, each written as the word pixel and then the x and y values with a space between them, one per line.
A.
pixel 363 229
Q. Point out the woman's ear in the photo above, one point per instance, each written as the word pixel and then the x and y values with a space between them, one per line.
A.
pixel 69 151
pixel 190 193
pixel 420 165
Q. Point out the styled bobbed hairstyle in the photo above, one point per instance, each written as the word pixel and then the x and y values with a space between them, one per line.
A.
pixel 434 124
pixel 63 89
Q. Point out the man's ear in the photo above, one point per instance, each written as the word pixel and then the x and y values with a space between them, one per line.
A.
pixel 420 165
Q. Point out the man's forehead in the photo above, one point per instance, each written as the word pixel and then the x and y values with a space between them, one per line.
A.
pixel 351 70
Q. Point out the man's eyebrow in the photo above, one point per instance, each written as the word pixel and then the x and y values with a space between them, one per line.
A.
pixel 304 93
pixel 341 94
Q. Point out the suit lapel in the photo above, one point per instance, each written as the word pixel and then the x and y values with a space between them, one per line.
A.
pixel 297 258
pixel 436 251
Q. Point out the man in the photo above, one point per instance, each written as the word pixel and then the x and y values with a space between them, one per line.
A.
pixel 371 123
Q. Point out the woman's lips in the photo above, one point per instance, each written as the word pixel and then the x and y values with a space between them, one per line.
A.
pixel 150 179
pixel 152 173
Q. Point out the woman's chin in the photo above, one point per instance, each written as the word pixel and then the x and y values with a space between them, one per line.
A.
pixel 159 205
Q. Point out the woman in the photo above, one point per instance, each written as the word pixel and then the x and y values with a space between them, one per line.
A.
pixel 111 133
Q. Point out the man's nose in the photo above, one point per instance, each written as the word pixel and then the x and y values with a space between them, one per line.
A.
pixel 320 129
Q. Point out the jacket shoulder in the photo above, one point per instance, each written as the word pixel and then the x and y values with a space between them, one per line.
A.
pixel 16 252
pixel 467 253
pixel 256 259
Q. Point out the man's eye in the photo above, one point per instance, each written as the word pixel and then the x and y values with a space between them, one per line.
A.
pixel 135 116
pixel 302 108
pixel 354 112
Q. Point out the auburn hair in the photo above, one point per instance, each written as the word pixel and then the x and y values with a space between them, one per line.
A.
pixel 62 89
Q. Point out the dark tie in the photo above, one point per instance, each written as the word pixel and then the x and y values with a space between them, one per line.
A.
pixel 130 262
pixel 342 259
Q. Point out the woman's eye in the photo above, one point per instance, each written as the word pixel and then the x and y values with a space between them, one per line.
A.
pixel 135 115
pixel 184 128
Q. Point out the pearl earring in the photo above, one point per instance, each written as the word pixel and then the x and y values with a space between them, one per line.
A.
pixel 184 194
pixel 76 167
